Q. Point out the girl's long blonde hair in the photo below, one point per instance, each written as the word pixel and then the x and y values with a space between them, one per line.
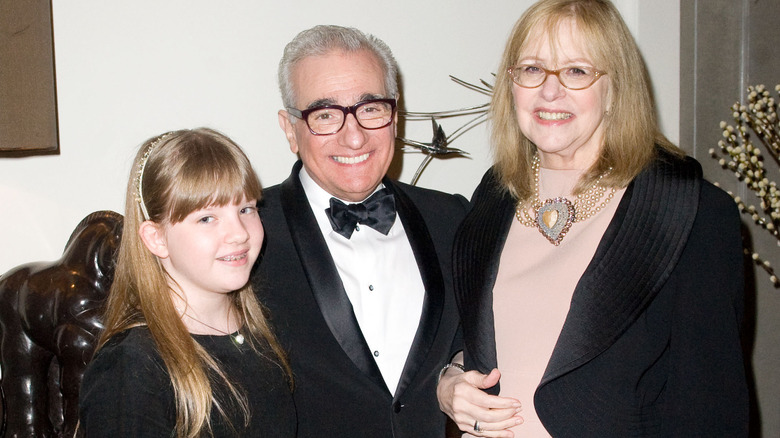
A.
pixel 177 173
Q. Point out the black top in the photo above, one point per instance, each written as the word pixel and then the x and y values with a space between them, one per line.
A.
pixel 126 390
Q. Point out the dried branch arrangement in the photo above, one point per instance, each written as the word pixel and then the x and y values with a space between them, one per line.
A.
pixel 756 131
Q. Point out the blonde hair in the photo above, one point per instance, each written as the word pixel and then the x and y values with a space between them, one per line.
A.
pixel 630 125
pixel 180 172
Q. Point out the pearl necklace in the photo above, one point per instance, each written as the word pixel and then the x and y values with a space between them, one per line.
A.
pixel 238 338
pixel 554 217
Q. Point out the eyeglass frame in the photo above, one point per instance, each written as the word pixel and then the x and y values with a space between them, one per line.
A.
pixel 347 110
pixel 557 73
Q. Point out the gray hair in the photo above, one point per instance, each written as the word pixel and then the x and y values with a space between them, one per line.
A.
pixel 322 39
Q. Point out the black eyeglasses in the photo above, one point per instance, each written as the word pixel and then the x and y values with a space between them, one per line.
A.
pixel 572 77
pixel 329 119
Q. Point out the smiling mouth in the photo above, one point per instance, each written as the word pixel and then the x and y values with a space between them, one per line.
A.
pixel 232 258
pixel 544 115
pixel 351 160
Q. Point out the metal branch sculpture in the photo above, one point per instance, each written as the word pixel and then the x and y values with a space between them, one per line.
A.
pixel 439 145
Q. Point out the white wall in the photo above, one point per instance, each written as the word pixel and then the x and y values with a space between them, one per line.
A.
pixel 128 70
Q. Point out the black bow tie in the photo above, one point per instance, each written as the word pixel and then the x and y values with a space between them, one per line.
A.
pixel 377 212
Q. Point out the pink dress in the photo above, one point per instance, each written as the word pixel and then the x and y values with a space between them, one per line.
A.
pixel 533 291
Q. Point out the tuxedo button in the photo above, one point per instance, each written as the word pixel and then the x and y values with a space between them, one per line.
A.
pixel 376 353
pixel 397 407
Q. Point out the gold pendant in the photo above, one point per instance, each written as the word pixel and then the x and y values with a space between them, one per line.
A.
pixel 554 218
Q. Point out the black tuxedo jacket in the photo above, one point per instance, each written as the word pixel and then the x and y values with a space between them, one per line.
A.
pixel 339 390
pixel 651 343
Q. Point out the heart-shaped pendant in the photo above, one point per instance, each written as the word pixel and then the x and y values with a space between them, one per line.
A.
pixel 554 218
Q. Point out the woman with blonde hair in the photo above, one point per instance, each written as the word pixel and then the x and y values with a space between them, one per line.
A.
pixel 187 350
pixel 597 270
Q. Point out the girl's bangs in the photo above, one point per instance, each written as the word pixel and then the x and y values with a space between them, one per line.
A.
pixel 220 180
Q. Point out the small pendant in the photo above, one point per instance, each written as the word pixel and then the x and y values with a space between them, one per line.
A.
pixel 554 218
pixel 239 338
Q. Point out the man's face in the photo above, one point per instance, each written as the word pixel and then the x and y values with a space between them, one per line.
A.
pixel 351 163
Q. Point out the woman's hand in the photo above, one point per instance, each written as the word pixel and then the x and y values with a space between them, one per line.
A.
pixel 462 399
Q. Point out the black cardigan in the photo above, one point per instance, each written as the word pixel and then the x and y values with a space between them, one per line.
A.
pixel 651 343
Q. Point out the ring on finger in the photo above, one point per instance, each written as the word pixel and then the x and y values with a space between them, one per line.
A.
pixel 476 426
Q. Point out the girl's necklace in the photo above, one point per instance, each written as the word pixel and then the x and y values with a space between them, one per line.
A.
pixel 238 337
pixel 554 217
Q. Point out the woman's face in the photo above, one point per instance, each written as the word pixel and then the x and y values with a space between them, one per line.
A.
pixel 565 125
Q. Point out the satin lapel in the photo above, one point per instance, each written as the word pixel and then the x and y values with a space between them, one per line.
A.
pixel 323 277
pixel 430 271
pixel 637 254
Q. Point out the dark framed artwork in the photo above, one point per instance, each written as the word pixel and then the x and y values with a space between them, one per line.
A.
pixel 28 98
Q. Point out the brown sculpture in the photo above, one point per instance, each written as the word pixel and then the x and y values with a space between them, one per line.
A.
pixel 50 318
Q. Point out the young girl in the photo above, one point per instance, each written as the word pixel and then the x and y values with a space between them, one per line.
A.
pixel 186 349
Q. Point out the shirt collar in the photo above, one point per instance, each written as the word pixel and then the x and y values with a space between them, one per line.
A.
pixel 318 197
pixel 319 200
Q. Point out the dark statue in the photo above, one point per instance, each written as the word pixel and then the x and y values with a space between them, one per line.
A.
pixel 50 318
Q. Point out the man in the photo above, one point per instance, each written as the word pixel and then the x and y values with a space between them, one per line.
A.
pixel 367 315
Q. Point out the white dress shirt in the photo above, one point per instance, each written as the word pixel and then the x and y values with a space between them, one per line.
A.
pixel 381 279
